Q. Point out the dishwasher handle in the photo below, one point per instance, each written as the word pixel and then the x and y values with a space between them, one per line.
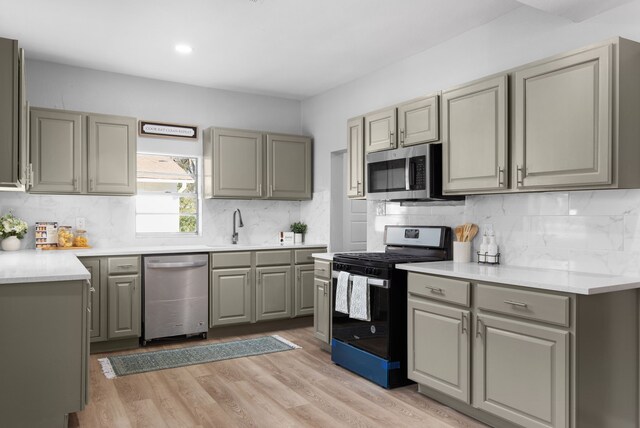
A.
pixel 175 265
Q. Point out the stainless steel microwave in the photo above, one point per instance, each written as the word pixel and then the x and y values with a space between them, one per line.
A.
pixel 406 174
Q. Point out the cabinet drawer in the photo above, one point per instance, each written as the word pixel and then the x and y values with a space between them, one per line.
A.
pixel 322 269
pixel 534 305
pixel 304 256
pixel 230 260
pixel 266 258
pixel 444 289
pixel 118 265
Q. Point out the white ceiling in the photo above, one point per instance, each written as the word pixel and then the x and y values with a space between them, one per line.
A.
pixel 575 10
pixel 290 48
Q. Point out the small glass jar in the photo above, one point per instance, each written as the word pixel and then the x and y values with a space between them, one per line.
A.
pixel 65 236
pixel 81 239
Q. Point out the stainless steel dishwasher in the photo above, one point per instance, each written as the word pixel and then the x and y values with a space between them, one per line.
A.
pixel 176 295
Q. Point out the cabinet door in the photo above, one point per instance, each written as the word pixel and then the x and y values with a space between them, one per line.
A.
pixel 124 306
pixel 236 163
pixel 521 372
pixel 418 121
pixel 303 294
pixel 273 292
pixel 438 348
pixel 230 296
pixel 289 163
pixel 563 121
pixel 380 130
pixel 474 137
pixel 97 329
pixel 111 155
pixel 9 113
pixel 23 146
pixel 56 151
pixel 322 310
pixel 355 152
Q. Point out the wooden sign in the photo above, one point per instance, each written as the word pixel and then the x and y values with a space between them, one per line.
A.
pixel 167 130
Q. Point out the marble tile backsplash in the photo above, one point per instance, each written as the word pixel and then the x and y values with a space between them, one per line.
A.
pixel 591 231
pixel 111 219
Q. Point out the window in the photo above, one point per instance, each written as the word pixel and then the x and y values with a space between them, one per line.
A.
pixel 167 199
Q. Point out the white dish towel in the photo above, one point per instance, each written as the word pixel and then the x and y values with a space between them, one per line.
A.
pixel 359 305
pixel 342 293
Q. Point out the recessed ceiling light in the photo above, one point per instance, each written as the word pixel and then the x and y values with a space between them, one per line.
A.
pixel 184 49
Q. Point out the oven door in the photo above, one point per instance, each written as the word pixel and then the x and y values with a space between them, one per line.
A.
pixel 370 336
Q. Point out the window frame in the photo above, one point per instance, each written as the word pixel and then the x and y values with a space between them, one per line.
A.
pixel 198 196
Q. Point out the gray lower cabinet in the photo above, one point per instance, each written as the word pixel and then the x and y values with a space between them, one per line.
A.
pixel 521 372
pixel 355 158
pixel 419 121
pixel 124 306
pixel 289 166
pixel 439 337
pixel 56 151
pixel 322 310
pixel 44 352
pixel 474 137
pixel 230 296
pixel 111 154
pixel 82 153
pixel 380 130
pixel 273 293
pixel 303 291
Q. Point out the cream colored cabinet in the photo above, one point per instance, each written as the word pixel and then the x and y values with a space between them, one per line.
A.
pixel 273 293
pixel 439 338
pixel 289 165
pixel 82 153
pixel 521 372
pixel 419 121
pixel 56 151
pixel 233 164
pixel 14 143
pixel 230 296
pixel 242 164
pixel 474 137
pixel 380 130
pixel 355 155
pixel 111 154
pixel 563 122
pixel 303 290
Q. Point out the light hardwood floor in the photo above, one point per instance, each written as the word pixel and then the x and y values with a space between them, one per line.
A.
pixel 299 388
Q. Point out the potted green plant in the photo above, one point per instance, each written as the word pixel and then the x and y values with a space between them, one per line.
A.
pixel 299 229
pixel 12 230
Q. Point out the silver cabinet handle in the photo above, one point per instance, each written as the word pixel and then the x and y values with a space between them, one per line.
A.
pixel 91 184
pixel 463 322
pixel 500 176
pixel 514 303
pixel 435 289
pixel 30 183
pixel 75 184
pixel 479 324
pixel 260 190
pixel 125 266
pixel 520 175
pixel 93 290
pixel 271 190
pixel 391 136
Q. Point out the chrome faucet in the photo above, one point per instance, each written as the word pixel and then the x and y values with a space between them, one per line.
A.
pixel 234 237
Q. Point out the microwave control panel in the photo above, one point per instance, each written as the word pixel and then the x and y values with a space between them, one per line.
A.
pixel 417 173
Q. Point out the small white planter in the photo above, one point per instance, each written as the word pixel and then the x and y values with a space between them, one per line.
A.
pixel 11 243
pixel 298 238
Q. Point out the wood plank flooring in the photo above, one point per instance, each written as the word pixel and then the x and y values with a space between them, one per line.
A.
pixel 299 388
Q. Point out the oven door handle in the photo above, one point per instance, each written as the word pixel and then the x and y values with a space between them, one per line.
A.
pixel 373 282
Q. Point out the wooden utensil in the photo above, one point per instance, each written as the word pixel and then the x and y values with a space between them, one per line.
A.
pixel 473 232
pixel 465 232
pixel 458 232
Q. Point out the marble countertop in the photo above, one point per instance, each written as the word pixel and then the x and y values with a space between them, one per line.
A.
pixel 174 249
pixel 544 279
pixel 40 266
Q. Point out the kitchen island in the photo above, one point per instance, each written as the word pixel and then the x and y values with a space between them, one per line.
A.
pixel 533 347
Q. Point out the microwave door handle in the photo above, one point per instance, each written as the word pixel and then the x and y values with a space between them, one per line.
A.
pixel 411 176
pixel 407 174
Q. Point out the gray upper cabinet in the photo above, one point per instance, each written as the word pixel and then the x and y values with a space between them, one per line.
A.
pixel 474 137
pixel 289 164
pixel 521 372
pixel 273 293
pixel 111 155
pixel 380 130
pixel 56 151
pixel 419 121
pixel 355 155
pixel 9 113
pixel 233 163
pixel 563 120
pixel 230 296
pixel 75 152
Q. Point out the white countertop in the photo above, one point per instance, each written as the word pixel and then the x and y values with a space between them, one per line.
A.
pixel 40 266
pixel 174 249
pixel 324 256
pixel 544 279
